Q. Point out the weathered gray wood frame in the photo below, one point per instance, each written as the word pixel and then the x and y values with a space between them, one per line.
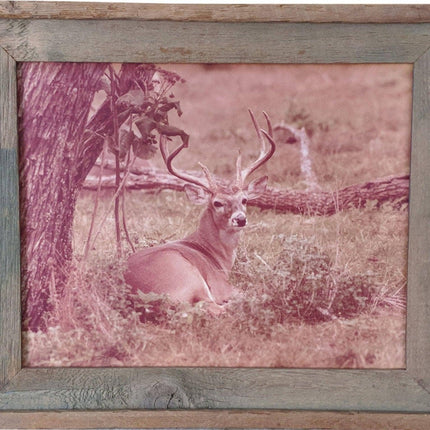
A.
pixel 29 396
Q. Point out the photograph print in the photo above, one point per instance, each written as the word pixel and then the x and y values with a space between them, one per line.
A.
pixel 216 215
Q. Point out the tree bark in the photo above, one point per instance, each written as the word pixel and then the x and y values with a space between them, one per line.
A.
pixel 55 100
pixel 393 190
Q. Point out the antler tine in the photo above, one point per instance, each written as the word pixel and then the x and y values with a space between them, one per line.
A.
pixel 272 149
pixel 211 180
pixel 239 182
pixel 168 158
pixel 163 148
pixel 265 154
pixel 257 129
pixel 269 124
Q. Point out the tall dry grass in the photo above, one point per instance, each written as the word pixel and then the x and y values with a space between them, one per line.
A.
pixel 315 291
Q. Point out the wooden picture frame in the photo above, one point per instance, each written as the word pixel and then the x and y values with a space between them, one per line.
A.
pixel 257 398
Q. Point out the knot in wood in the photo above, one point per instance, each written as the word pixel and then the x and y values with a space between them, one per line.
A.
pixel 165 395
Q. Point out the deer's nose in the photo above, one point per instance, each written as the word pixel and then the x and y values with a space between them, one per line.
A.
pixel 239 219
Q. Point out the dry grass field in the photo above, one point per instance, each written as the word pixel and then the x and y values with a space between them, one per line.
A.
pixel 321 292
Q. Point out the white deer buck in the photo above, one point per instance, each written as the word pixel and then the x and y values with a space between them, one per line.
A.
pixel 197 267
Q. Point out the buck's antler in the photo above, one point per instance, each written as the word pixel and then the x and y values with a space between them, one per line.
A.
pixel 241 174
pixel 168 158
pixel 265 154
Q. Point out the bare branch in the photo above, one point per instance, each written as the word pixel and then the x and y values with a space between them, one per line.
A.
pixel 305 160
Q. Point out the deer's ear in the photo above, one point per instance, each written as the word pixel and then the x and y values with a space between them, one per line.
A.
pixel 256 187
pixel 196 195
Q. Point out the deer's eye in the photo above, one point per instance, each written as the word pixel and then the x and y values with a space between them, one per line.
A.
pixel 218 204
pixel 244 201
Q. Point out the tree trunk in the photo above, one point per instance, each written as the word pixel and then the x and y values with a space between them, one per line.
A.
pixel 55 100
pixel 393 190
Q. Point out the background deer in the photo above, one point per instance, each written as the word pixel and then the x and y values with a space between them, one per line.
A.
pixel 197 267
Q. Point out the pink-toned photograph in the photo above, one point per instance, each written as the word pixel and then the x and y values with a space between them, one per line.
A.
pixel 220 215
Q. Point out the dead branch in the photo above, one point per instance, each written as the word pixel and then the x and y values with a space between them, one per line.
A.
pixel 393 190
pixel 300 135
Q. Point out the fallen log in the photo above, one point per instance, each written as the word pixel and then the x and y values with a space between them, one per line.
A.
pixel 393 190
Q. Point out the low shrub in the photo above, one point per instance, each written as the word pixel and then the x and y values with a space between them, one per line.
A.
pixel 298 284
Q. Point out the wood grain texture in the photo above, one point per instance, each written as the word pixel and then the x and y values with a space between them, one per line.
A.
pixel 418 320
pixel 219 12
pixel 213 388
pixel 166 41
pixel 216 419
pixel 10 321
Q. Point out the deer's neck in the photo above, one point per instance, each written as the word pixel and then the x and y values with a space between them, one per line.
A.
pixel 222 244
